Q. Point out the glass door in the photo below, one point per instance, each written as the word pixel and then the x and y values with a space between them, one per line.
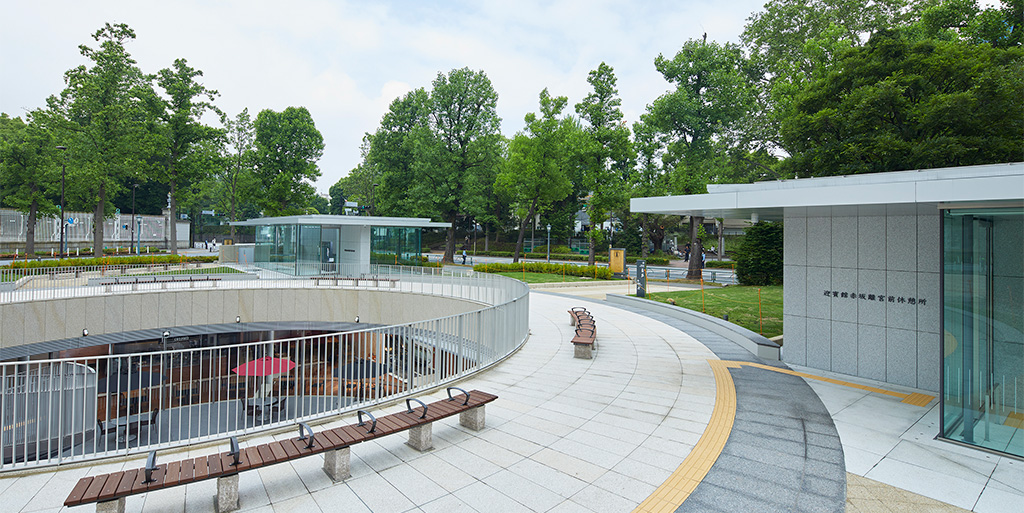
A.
pixel 983 349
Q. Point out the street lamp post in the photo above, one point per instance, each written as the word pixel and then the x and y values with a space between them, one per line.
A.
pixel 549 243
pixel 63 166
pixel 134 187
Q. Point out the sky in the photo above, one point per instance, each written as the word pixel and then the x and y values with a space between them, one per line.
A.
pixel 346 61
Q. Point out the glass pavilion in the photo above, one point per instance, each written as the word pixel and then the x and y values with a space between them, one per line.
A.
pixel 311 245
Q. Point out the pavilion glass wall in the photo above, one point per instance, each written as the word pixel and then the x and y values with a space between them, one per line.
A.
pixel 395 246
pixel 983 328
pixel 308 258
pixel 276 247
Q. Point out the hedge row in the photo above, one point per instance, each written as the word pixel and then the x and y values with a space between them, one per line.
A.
pixel 573 257
pixel 127 260
pixel 589 271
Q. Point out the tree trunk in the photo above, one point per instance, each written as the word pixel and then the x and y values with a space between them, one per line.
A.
pixel 487 241
pixel 233 214
pixel 449 243
pixel 721 239
pixel 694 272
pixel 174 218
pixel 97 223
pixel 522 230
pixel 30 230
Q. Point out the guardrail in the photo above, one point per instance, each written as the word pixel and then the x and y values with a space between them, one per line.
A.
pixel 73 409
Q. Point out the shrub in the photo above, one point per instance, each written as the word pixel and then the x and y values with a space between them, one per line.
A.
pixel 588 271
pixel 759 259
pixel 71 262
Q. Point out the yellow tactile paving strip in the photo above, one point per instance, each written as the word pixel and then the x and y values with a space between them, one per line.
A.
pixel 684 480
pixel 914 399
pixel 692 470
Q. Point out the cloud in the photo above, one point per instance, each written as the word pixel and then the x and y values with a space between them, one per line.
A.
pixel 346 61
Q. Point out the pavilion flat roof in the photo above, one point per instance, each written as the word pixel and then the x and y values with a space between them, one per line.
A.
pixel 990 184
pixel 329 220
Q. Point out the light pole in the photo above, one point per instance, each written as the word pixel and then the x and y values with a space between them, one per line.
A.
pixel 134 187
pixel 63 166
pixel 549 243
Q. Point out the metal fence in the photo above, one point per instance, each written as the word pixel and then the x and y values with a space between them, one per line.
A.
pixel 75 409
pixel 117 230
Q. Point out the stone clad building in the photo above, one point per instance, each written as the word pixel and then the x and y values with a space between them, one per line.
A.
pixel 914 278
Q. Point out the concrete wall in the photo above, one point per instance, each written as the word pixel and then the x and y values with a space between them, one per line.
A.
pixel 39 321
pixel 839 262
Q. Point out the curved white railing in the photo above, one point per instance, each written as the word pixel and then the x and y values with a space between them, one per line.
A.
pixel 73 409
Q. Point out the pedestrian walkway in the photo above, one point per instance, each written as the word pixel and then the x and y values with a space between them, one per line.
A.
pixel 614 433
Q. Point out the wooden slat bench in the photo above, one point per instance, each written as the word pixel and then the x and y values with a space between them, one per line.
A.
pixel 108 491
pixel 585 340
pixel 135 281
pixel 334 280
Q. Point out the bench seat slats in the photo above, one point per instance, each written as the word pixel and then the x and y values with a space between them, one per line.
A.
pixel 214 463
pixel 120 484
pixel 250 458
pixel 93 492
pixel 78 492
pixel 173 475
pixel 202 469
pixel 278 450
pixel 226 461
pixel 291 452
pixel 127 482
pixel 333 440
pixel 266 454
pixel 388 425
pixel 188 472
pixel 110 486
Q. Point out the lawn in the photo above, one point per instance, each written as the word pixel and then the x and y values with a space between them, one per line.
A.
pixel 740 303
pixel 544 277
pixel 201 270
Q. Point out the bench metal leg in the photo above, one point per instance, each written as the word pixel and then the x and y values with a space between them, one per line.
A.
pixel 336 464
pixel 421 437
pixel 114 506
pixel 227 494
pixel 473 418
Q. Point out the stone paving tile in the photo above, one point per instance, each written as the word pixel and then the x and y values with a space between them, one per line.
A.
pixel 572 435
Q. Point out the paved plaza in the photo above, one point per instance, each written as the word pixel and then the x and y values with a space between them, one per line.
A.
pixel 664 410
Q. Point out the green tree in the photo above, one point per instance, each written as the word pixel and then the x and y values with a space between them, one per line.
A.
pixel 713 93
pixel 28 171
pixel 390 157
pixel 611 159
pixel 897 104
pixel 535 174
pixel 456 157
pixel 187 101
pixel 319 204
pixel 235 182
pixel 107 117
pixel 288 147
pixel 338 197
pixel 759 258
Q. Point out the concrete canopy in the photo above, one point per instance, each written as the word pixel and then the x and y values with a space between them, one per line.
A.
pixel 992 183
pixel 329 220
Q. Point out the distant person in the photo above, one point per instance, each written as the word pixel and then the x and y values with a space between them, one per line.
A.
pixel 213 243
pixel 703 259
pixel 686 253
pixel 463 257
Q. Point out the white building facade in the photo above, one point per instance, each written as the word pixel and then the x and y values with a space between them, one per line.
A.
pixel 914 278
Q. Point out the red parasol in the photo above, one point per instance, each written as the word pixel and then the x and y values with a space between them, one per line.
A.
pixel 264 367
